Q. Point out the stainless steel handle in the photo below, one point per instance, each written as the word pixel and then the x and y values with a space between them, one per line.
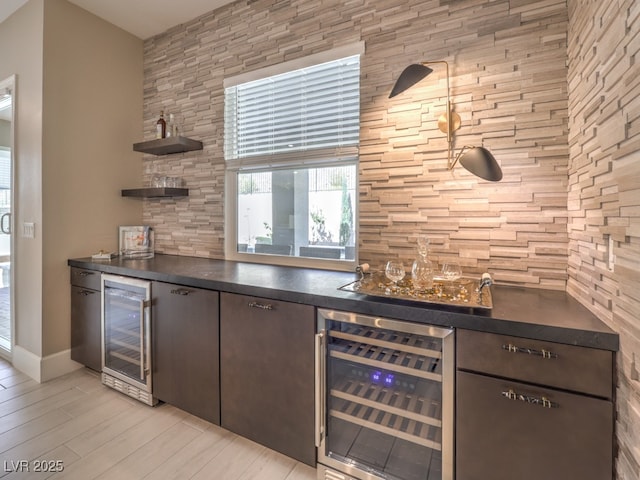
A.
pixel 181 291
pixel 529 351
pixel 84 292
pixel 263 306
pixel 147 318
pixel 85 273
pixel 319 387
pixel 520 397
pixel 4 230
pixel 142 340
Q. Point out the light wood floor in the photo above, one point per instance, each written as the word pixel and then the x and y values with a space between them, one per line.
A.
pixel 95 432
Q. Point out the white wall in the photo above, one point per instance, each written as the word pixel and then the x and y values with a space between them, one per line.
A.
pixel 92 115
pixel 23 31
pixel 79 109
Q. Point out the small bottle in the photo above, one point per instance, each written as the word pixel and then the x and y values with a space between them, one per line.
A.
pixel 161 126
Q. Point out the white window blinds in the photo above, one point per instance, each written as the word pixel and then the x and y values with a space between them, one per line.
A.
pixel 310 112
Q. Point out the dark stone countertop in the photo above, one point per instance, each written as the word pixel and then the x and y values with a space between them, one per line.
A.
pixel 546 315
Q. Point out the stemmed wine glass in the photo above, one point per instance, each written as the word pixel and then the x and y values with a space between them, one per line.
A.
pixel 394 271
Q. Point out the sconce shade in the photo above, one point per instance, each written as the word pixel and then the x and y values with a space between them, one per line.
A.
pixel 480 162
pixel 409 77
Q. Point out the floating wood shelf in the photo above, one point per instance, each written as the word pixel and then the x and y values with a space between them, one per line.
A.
pixel 165 146
pixel 155 192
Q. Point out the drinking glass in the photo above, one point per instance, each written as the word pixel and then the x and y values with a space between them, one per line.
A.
pixel 394 271
pixel 451 271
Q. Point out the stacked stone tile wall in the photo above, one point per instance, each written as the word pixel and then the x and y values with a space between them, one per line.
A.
pixel 604 190
pixel 561 116
pixel 508 69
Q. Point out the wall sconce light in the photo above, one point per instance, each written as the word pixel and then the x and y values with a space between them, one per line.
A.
pixel 477 160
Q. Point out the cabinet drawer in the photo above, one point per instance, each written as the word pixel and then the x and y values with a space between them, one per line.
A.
pixel 504 431
pixel 81 277
pixel 567 367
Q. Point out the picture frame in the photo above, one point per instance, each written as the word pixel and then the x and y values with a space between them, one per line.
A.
pixel 136 241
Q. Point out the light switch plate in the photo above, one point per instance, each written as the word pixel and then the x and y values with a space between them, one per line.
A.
pixel 29 230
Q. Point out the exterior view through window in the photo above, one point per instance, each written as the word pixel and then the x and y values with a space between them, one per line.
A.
pixel 307 212
pixel 291 151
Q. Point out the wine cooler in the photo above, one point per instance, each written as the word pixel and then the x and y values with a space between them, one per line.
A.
pixel 126 336
pixel 384 406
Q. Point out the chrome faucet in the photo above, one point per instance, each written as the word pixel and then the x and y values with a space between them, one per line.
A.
pixel 485 281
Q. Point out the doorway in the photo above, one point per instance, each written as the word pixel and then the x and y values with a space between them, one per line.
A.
pixel 7 108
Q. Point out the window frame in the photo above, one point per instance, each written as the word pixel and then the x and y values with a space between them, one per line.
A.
pixel 342 157
pixel 231 225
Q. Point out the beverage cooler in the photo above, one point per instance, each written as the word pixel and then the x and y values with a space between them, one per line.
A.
pixel 384 407
pixel 126 336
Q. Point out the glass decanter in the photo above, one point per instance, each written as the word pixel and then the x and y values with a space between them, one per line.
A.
pixel 422 269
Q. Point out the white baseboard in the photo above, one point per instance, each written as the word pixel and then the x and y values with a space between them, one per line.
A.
pixel 27 362
pixel 42 369
pixel 58 364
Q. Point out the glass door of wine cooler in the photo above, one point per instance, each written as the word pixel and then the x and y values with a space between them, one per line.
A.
pixel 126 332
pixel 386 398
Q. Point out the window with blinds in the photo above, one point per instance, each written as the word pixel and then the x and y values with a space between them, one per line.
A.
pixel 313 110
pixel 291 148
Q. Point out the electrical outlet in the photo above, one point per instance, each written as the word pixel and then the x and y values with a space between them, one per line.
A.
pixel 29 230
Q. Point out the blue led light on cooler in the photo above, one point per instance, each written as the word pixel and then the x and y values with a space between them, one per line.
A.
pixel 385 379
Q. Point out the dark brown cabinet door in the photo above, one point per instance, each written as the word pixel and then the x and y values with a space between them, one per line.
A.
pixel 185 329
pixel 86 338
pixel 505 430
pixel 267 373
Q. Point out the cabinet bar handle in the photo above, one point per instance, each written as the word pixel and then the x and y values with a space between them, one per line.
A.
pixel 143 333
pixel 147 338
pixel 320 415
pixel 520 397
pixel 180 291
pixel 529 351
pixel 263 306
pixel 84 292
pixel 84 273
